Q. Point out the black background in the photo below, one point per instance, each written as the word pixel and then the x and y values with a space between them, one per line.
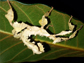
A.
pixel 70 7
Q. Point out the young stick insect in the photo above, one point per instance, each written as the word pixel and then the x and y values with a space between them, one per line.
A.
pixel 23 31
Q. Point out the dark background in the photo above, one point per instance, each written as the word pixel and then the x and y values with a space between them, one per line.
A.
pixel 70 7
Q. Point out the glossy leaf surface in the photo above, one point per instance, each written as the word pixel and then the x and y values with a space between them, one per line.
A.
pixel 13 50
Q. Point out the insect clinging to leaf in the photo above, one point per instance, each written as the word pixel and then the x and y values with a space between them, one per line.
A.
pixel 23 31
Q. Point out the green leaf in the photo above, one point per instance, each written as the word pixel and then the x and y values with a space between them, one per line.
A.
pixel 13 50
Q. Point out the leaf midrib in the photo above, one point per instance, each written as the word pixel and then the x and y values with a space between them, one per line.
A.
pixel 58 44
pixel 62 45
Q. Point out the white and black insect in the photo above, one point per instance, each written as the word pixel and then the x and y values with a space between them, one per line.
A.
pixel 24 31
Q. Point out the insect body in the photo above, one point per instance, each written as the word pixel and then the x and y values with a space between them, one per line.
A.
pixel 23 31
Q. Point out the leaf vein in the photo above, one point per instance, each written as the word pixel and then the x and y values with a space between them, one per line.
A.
pixel 10 47
pixel 4 16
pixel 79 55
pixel 68 53
pixel 62 45
pixel 6 32
pixel 28 57
pixel 23 13
pixel 3 9
pixel 5 38
pixel 77 41
pixel 18 54
pixel 54 52
pixel 64 26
